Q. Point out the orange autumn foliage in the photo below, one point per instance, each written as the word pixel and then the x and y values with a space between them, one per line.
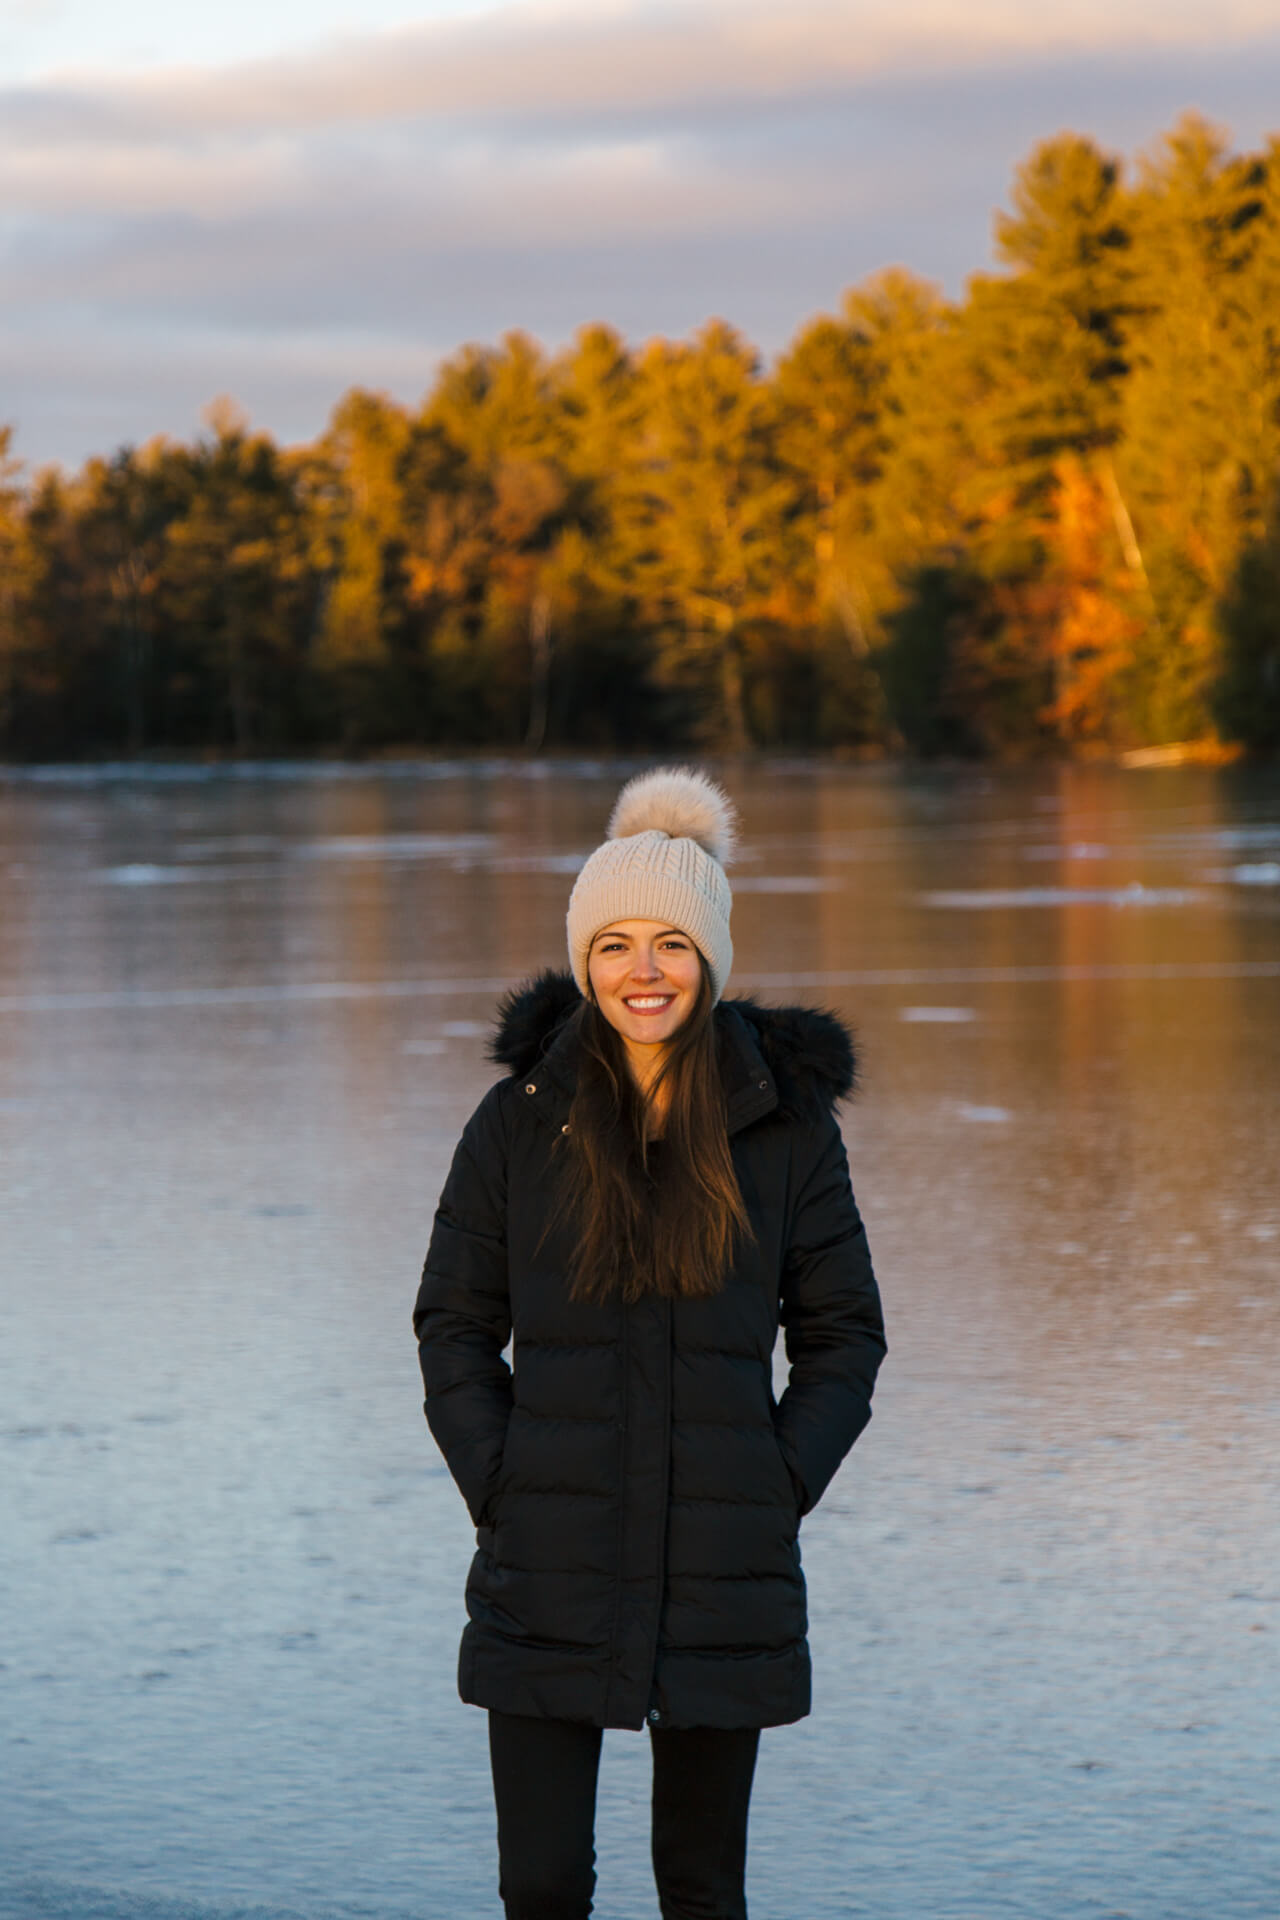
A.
pixel 1098 620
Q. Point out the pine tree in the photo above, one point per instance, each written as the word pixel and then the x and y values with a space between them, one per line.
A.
pixel 1201 422
pixel 708 513
pixel 12 552
pixel 488 534
pixel 233 579
pixel 353 486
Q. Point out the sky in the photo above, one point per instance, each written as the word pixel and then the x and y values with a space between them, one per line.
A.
pixel 278 201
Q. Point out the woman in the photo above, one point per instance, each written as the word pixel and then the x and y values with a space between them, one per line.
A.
pixel 658 1183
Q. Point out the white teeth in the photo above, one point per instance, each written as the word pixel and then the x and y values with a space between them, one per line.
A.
pixel 650 1000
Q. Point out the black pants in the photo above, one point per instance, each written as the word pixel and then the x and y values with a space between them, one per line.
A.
pixel 544 1786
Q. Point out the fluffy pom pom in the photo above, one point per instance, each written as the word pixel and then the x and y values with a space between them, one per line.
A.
pixel 682 802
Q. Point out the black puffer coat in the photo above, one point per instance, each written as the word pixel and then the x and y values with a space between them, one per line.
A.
pixel 636 1490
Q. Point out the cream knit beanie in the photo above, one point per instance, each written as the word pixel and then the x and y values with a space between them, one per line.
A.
pixel 671 835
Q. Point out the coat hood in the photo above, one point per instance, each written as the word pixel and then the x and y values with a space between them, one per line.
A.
pixel 810 1053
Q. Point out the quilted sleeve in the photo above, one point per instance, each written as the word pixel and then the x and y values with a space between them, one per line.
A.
pixel 462 1317
pixel 830 1311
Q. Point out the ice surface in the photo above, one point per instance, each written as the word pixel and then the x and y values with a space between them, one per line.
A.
pixel 1043 1589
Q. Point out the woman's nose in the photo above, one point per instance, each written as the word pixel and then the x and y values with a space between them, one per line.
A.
pixel 646 966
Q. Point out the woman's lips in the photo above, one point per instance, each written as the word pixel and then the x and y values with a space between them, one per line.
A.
pixel 649 1003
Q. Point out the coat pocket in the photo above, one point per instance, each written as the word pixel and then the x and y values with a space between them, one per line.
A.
pixel 493 1499
pixel 788 1480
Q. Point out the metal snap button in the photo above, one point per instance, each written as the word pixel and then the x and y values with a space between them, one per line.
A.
pixel 531 1088
pixel 654 1714
pixel 565 1127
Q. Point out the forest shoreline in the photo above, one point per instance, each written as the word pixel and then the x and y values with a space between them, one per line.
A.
pixel 1042 520
pixel 407 759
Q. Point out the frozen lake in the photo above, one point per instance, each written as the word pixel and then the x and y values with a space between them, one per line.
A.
pixel 242 1019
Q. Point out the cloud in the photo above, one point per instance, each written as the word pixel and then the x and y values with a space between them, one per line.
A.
pixel 287 227
pixel 27 13
pixel 348 244
pixel 620 104
pixel 544 62
pixel 80 173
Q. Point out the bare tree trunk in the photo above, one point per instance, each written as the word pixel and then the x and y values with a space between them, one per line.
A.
pixel 128 585
pixel 237 692
pixel 8 649
pixel 1128 538
pixel 731 692
pixel 855 632
pixel 1124 525
pixel 539 670
pixel 135 657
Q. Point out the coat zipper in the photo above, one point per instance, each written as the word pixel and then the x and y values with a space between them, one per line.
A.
pixel 666 1507
pixel 622 1509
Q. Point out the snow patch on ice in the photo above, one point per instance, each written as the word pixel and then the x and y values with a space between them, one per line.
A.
pixel 395 846
pixel 140 873
pixel 937 1016
pixel 1134 895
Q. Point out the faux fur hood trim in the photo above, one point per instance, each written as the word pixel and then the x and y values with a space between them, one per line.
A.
pixel 810 1053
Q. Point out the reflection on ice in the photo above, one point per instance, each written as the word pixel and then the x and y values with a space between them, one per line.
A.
pixel 464 851
pixel 259 993
pixel 1081 850
pixel 783 883
pixel 228 843
pixel 566 863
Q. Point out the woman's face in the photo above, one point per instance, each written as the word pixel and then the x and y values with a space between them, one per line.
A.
pixel 646 978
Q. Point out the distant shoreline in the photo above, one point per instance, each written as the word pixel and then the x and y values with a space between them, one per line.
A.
pixel 439 761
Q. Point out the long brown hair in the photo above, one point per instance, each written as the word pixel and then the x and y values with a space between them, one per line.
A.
pixel 650 1221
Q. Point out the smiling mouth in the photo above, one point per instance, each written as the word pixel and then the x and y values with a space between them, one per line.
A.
pixel 649 1002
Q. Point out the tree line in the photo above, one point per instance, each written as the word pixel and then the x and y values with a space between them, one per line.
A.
pixel 1042 518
